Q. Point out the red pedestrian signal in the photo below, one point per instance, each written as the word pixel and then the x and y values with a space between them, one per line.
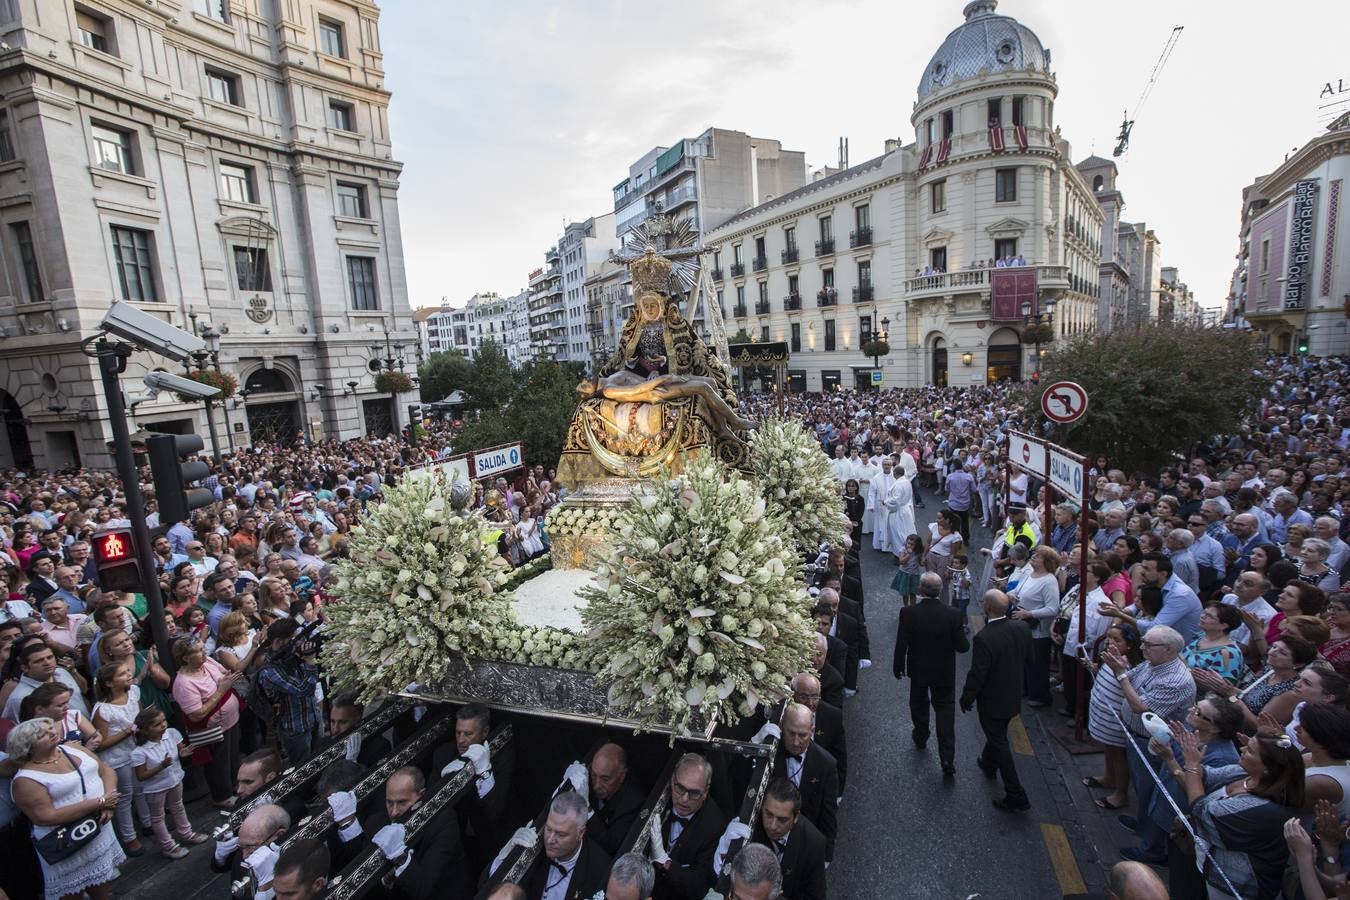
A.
pixel 113 547
pixel 115 556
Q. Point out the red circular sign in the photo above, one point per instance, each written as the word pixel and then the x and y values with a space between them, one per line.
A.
pixel 1064 402
pixel 1026 453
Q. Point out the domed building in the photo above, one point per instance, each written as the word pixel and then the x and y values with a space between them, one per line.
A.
pixel 970 250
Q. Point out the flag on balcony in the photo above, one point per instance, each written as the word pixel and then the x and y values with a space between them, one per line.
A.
pixel 1021 135
pixel 944 150
pixel 996 138
pixel 927 155
pixel 1008 288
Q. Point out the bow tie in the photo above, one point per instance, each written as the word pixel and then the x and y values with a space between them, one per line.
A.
pixel 675 817
pixel 559 866
pixel 794 756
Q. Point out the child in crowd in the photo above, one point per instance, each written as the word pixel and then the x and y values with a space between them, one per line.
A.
pixel 119 703
pixel 960 581
pixel 160 774
pixel 906 581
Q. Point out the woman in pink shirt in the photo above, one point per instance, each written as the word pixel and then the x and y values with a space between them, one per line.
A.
pixel 203 690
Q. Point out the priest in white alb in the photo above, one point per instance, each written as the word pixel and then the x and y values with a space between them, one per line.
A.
pixel 876 498
pixel 899 504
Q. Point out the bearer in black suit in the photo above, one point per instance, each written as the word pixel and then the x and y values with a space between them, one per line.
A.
pixel 615 798
pixel 926 643
pixel 684 841
pixel 482 814
pixel 811 769
pixel 343 719
pixel 572 866
pixel 429 864
pixel 831 681
pixel 1002 652
pixel 796 843
pixel 829 721
pixel 854 608
pixel 837 631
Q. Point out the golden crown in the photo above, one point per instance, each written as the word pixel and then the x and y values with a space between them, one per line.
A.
pixel 651 272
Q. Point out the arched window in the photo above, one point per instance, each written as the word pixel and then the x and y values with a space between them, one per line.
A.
pixel 268 381
pixel 1098 183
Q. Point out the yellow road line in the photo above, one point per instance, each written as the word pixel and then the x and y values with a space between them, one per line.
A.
pixel 1017 736
pixel 1061 857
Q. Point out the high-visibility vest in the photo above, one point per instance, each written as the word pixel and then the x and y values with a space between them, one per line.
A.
pixel 1013 532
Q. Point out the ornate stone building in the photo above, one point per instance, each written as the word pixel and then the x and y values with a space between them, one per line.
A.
pixel 223 164
pixel 908 242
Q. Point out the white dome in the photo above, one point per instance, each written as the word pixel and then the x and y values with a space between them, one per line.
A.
pixel 986 42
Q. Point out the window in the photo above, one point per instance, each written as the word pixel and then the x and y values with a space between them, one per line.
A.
pixel 361 282
pixel 1098 182
pixel 948 123
pixel 112 150
pixel 1017 111
pixel 94 31
pixel 735 254
pixel 717 259
pixel 759 247
pixel 764 333
pixel 763 292
pixel 795 338
pixel 930 132
pixel 827 277
pixel 829 335
pixel 341 116
pixel 1005 185
pixel 995 112
pixel 827 228
pixel 790 238
pixel 1265 256
pixel 216 9
pixel 793 284
pixel 864 328
pixel 331 38
pixel 740 295
pixel 6 143
pixel 222 87
pixel 937 258
pixel 865 274
pixel 32 275
pixel 937 196
pixel 135 267
pixel 251 270
pixel 863 216
pixel 352 200
pixel 236 183
pixel 1005 248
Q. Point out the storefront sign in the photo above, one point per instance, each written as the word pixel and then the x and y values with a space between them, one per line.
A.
pixel 1301 223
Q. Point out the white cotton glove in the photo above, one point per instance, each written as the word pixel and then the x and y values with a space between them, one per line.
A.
pixel 226 844
pixel 261 862
pixel 658 844
pixel 454 766
pixel 735 830
pixel 390 840
pixel 766 731
pixel 343 805
pixel 353 746
pixel 478 755
pixel 864 664
pixel 579 778
pixel 525 836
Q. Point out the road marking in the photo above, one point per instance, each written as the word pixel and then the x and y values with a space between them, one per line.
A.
pixel 1061 857
pixel 1017 733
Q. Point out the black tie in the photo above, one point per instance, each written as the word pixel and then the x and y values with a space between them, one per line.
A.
pixel 780 847
pixel 796 756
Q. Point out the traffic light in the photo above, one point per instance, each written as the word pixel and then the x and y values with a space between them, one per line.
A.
pixel 1302 344
pixel 115 556
pixel 173 476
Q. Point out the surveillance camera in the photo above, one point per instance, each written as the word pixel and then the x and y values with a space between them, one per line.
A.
pixel 150 332
pixel 163 381
pixel 319 387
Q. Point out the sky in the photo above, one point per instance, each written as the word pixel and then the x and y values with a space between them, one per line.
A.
pixel 514 117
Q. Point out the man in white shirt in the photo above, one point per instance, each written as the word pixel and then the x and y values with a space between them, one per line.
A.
pixel 38 665
pixel 1247 597
pixel 1328 529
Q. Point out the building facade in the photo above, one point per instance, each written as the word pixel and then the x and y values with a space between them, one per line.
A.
pixel 227 167
pixel 436 329
pixel 582 249
pixel 609 299
pixel 1141 255
pixel 951 247
pixel 1113 278
pixel 1293 277
pixel 486 317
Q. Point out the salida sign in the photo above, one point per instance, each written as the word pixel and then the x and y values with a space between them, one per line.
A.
pixel 498 460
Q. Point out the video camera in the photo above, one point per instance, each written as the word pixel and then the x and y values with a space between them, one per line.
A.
pixel 307 640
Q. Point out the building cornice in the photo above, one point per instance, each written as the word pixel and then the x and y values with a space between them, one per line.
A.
pixel 1316 152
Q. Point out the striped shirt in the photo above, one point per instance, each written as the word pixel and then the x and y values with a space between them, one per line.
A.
pixel 1168 691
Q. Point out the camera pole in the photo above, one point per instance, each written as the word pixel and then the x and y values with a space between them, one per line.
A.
pixel 112 362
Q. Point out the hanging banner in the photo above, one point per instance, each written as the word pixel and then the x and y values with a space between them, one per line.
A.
pixel 1009 289
pixel 1301 222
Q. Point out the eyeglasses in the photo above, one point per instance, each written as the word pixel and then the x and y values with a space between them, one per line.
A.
pixel 1151 644
pixel 682 791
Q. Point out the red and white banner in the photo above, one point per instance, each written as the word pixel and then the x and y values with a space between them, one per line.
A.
pixel 996 138
pixel 1021 135
pixel 944 150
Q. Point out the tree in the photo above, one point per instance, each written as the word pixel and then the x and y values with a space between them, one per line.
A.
pixel 1152 392
pixel 538 412
pixel 444 373
pixel 490 377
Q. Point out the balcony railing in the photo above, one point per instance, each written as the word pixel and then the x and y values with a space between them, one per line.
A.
pixel 740 312
pixel 860 238
pixel 792 301
pixel 717 274
pixel 760 263
pixel 863 293
pixel 825 247
pixel 761 307
pixel 977 280
pixel 827 297
pixel 790 256
pixel 737 270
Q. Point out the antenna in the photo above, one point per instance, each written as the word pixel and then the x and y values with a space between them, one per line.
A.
pixel 1127 125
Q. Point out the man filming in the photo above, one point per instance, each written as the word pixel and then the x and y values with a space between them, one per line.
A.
pixel 287 681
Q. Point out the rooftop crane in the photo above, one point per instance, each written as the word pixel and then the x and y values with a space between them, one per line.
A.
pixel 1126 126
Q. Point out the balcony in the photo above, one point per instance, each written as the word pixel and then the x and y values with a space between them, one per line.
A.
pixel 827 297
pixel 790 256
pixel 738 270
pixel 860 238
pixel 740 311
pixel 825 247
pixel 793 301
pixel 760 263
pixel 761 307
pixel 863 294
pixel 976 281
pixel 717 274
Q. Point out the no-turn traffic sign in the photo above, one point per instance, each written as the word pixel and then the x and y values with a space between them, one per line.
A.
pixel 1064 402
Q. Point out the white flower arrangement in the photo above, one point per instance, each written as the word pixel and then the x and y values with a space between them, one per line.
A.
pixel 795 476
pixel 419 589
pixel 570 520
pixel 698 608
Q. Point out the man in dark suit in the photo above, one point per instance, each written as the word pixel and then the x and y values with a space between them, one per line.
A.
pixel 829 721
pixel 428 864
pixel 799 845
pixel 343 720
pixel 684 841
pixel 1002 652
pixel 926 643
pixel 482 814
pixel 831 681
pixel 615 798
pixel 839 632
pixel 571 866
pixel 852 606
pixel 811 769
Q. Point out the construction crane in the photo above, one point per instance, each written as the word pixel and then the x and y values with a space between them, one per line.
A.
pixel 1126 126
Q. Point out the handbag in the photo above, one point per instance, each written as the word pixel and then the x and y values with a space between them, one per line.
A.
pixel 64 841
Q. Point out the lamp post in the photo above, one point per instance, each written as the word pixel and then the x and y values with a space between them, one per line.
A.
pixel 880 337
pixel 210 354
pixel 1038 324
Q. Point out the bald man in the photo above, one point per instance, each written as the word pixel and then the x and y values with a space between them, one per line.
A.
pixel 1002 651
pixel 616 798
pixel 811 768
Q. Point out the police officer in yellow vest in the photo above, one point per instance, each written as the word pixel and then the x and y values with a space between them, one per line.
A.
pixel 1017 527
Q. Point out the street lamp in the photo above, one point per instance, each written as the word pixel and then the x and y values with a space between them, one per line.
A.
pixel 209 354
pixel 878 338
pixel 1039 326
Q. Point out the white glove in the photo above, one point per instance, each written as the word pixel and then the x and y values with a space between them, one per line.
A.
pixel 454 766
pixel 478 755
pixel 261 862
pixel 766 731
pixel 735 830
pixel 353 746
pixel 864 664
pixel 579 778
pixel 390 840
pixel 525 836
pixel 343 805
pixel 659 855
pixel 226 844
